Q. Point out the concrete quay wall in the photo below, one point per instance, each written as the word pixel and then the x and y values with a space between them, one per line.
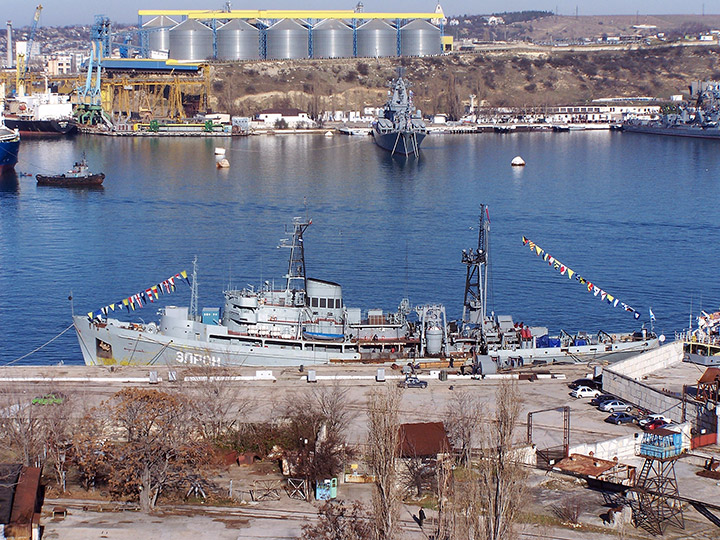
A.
pixel 623 380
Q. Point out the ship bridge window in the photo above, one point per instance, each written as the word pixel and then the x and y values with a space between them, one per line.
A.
pixel 314 302
pixel 323 302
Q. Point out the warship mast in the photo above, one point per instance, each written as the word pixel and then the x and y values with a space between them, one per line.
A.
pixel 476 261
pixel 296 279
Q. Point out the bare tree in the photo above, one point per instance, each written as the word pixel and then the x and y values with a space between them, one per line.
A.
pixel 461 422
pixel 216 401
pixel 339 521
pixel 90 446
pixel 500 475
pixel 58 428
pixel 317 432
pixel 161 450
pixel 383 449
pixel 21 427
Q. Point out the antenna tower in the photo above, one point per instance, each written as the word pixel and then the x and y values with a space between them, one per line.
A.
pixel 295 276
pixel 476 261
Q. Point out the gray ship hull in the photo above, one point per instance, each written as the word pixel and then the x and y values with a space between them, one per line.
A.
pixel 399 142
pixel 118 343
pixel 674 131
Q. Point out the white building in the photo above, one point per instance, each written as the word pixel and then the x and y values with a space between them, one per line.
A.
pixel 60 64
pixel 294 118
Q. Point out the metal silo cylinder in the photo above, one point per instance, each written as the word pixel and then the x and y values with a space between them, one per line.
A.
pixel 191 40
pixel 286 39
pixel 420 38
pixel 376 38
pixel 332 39
pixel 238 40
pixel 159 40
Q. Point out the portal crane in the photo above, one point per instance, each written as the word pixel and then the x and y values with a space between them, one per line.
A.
pixel 23 61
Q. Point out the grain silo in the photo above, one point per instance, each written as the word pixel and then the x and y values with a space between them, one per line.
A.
pixel 191 40
pixel 286 39
pixel 332 39
pixel 238 40
pixel 159 40
pixel 376 38
pixel 420 38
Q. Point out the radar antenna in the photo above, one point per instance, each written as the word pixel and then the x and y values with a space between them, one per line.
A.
pixel 476 261
pixel 296 279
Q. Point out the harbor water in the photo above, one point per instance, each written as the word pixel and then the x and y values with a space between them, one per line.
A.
pixel 636 215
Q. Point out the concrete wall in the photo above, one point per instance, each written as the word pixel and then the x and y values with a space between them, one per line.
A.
pixel 622 448
pixel 623 379
pixel 638 366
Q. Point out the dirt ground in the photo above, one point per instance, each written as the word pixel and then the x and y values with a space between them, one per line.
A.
pixel 283 518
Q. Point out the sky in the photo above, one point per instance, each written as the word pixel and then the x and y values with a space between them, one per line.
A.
pixel 69 12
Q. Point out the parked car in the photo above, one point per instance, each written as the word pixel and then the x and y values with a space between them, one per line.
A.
pixel 615 405
pixel 49 399
pixel 584 392
pixel 590 383
pixel 602 398
pixel 412 382
pixel 621 418
pixel 651 417
pixel 654 424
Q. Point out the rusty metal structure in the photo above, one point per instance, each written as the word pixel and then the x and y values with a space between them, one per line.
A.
pixel 547 456
pixel 657 505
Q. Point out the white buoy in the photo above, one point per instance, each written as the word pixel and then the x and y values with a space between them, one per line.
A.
pixel 328 134
pixel 223 164
pixel 517 162
pixel 219 151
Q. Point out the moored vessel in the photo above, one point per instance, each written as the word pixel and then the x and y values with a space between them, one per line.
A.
pixel 9 147
pixel 78 176
pixel 401 129
pixel 307 322
pixel 45 114
pixel 701 120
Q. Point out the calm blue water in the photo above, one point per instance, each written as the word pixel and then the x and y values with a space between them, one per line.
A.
pixel 638 215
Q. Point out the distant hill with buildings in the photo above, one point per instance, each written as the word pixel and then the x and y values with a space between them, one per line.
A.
pixel 532 76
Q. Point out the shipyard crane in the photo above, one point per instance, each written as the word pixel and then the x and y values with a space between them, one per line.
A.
pixel 23 60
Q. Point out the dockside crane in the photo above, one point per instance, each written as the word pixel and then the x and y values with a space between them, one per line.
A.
pixel 23 60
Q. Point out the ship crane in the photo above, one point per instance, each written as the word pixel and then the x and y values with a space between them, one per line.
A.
pixel 476 278
pixel 23 60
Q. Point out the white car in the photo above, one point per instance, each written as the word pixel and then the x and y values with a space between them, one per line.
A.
pixel 585 392
pixel 615 405
pixel 651 417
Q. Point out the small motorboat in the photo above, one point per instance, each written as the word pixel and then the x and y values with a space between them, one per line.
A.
pixel 78 176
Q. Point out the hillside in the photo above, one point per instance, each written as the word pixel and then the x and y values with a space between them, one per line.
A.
pixel 533 77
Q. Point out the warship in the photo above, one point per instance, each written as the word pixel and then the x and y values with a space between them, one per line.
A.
pixel 9 147
pixel 400 130
pixel 701 120
pixel 306 322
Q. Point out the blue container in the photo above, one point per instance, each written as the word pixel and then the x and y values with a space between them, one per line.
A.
pixel 211 315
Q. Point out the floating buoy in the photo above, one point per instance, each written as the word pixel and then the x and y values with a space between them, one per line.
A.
pixel 219 151
pixel 517 162
pixel 328 134
pixel 223 164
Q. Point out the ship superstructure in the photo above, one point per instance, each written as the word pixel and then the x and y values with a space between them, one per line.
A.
pixel 401 129
pixel 306 322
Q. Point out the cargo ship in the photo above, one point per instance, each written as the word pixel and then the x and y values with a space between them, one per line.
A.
pixel 701 120
pixel 9 147
pixel 306 322
pixel 401 129
pixel 43 114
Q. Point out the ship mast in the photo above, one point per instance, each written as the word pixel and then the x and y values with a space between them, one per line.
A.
pixel 296 262
pixel 193 291
pixel 476 261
